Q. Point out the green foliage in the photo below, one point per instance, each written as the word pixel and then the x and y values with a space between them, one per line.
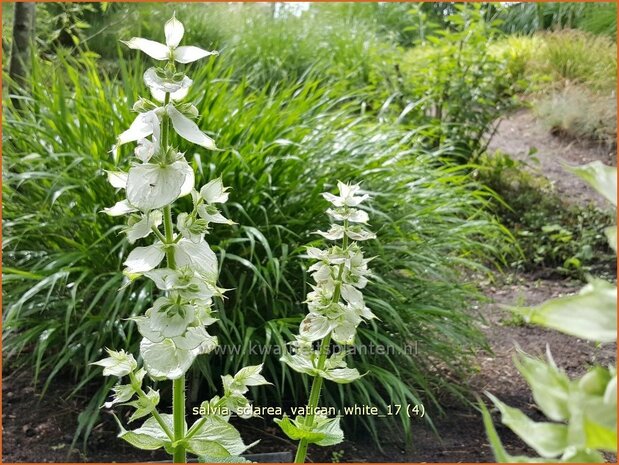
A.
pixel 584 410
pixel 551 234
pixel 455 84
pixel 62 257
pixel 527 18
pixel 581 57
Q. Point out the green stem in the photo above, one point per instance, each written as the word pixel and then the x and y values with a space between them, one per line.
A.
pixel 178 410
pixel 322 358
pixel 178 397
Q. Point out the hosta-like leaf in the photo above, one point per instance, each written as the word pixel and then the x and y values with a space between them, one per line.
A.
pixel 548 439
pixel 603 178
pixel 549 385
pixel 592 314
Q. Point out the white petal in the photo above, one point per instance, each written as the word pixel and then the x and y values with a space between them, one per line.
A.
pixel 150 47
pixel 189 54
pixel 164 359
pixel 198 257
pixel 143 126
pixel 213 217
pixel 117 179
pixel 151 186
pixel 196 337
pixel 190 180
pixel 145 150
pixel 164 278
pixel 174 31
pixel 336 232
pixel 314 327
pixel 120 208
pixel 143 259
pixel 214 192
pixel 189 130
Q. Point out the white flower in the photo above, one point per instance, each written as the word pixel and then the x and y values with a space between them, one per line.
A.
pixel 145 150
pixel 198 257
pixel 144 125
pixel 144 226
pixel 214 191
pixel 168 360
pixel 174 32
pixel 158 85
pixel 348 214
pixel 142 259
pixel 347 197
pixel 169 318
pixel 334 233
pixel 117 364
pixel 211 214
pixel 120 208
pixel 151 186
pixel 189 130
pixel 117 179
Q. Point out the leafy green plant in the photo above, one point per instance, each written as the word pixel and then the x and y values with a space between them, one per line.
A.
pixel 583 411
pixel 455 84
pixel 174 329
pixel 336 308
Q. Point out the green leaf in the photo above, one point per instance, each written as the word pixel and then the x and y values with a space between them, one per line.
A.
pixel 296 431
pixel 500 455
pixel 550 386
pixel 216 437
pixel 603 178
pixel 590 315
pixel 548 439
pixel 149 436
pixel 599 436
pixel 611 235
pixel 144 404
pixel 324 432
pixel 230 459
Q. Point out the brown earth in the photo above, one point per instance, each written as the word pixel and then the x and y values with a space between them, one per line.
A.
pixel 39 429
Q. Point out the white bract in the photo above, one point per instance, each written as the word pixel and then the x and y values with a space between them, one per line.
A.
pixel 336 308
pixel 174 329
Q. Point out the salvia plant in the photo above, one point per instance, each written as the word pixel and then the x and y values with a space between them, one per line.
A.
pixel 336 307
pixel 583 411
pixel 174 329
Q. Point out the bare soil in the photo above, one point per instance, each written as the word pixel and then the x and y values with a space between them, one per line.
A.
pixel 39 429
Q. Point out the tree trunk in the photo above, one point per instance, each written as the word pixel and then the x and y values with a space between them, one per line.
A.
pixel 23 26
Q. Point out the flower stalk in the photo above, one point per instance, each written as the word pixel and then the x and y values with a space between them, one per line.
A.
pixel 174 329
pixel 336 309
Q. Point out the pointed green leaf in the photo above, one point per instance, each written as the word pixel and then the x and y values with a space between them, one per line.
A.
pixel 591 314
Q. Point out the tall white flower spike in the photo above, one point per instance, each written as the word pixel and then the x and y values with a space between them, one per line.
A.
pixel 336 308
pixel 174 330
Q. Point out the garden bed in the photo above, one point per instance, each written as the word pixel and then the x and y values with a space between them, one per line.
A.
pixel 40 430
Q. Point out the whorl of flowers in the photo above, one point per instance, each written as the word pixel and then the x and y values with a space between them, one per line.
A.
pixel 174 329
pixel 336 308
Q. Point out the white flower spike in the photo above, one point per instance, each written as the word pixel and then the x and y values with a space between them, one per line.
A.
pixel 173 330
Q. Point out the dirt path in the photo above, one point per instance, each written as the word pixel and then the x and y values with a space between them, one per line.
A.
pixel 521 133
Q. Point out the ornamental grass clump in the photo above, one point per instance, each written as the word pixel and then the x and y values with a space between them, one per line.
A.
pixel 174 329
pixel 336 308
